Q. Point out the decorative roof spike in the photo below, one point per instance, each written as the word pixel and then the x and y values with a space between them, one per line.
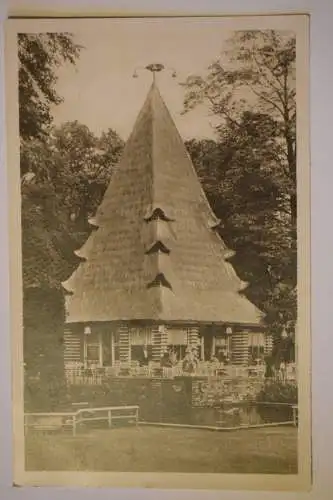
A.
pixel 66 288
pixel 83 252
pixel 228 254
pixel 243 285
pixel 92 221
pixel 80 256
pixel 154 68
pixel 214 223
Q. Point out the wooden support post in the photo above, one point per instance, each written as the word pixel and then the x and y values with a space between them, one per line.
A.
pixel 112 342
pixel 202 348
pixel 213 345
pixel 124 344
pixel 85 351
pixel 164 338
pixel 268 343
pixel 160 339
pixel 100 349
pixel 72 345
pixel 110 418
pixel 193 337
pixel 240 353
pixel 74 425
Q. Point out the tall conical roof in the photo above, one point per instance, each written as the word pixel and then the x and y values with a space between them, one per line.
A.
pixel 156 254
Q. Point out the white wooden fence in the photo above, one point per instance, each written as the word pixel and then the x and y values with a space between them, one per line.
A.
pixel 60 421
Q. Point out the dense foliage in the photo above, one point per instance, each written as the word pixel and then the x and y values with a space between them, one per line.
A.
pixel 64 173
pixel 249 171
pixel 68 174
pixel 278 392
pixel 39 56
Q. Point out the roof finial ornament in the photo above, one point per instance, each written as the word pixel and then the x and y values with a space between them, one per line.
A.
pixel 154 68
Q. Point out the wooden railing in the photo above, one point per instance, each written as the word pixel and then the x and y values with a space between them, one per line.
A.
pixel 60 421
pixel 76 374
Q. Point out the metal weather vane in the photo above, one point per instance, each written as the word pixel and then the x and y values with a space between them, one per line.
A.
pixel 154 68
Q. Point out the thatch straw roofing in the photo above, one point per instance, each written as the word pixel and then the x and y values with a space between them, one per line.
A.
pixel 156 255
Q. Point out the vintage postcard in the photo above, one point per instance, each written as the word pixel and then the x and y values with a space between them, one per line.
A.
pixel 159 220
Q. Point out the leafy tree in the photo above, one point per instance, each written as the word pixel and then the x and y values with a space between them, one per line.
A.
pixel 45 265
pixel 251 88
pixel 39 57
pixel 44 262
pixel 210 160
pixel 260 67
pixel 68 174
pixel 84 162
pixel 111 146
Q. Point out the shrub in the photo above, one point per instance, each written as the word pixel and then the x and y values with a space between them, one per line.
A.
pixel 278 392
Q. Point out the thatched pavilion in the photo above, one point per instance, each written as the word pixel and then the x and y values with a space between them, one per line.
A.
pixel 155 272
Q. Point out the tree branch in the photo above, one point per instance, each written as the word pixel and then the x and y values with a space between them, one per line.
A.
pixel 269 82
pixel 223 112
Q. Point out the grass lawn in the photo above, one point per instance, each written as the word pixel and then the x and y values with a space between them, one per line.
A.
pixel 155 449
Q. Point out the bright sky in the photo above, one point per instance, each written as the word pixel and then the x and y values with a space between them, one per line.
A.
pixel 100 91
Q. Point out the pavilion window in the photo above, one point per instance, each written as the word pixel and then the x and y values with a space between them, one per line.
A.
pixel 142 354
pixel 179 350
pixel 92 349
pixel 110 348
pixel 178 341
pixel 256 347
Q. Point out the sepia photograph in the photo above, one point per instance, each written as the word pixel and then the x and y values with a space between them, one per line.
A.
pixel 160 251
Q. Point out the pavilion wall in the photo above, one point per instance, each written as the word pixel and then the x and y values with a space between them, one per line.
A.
pixel 160 337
